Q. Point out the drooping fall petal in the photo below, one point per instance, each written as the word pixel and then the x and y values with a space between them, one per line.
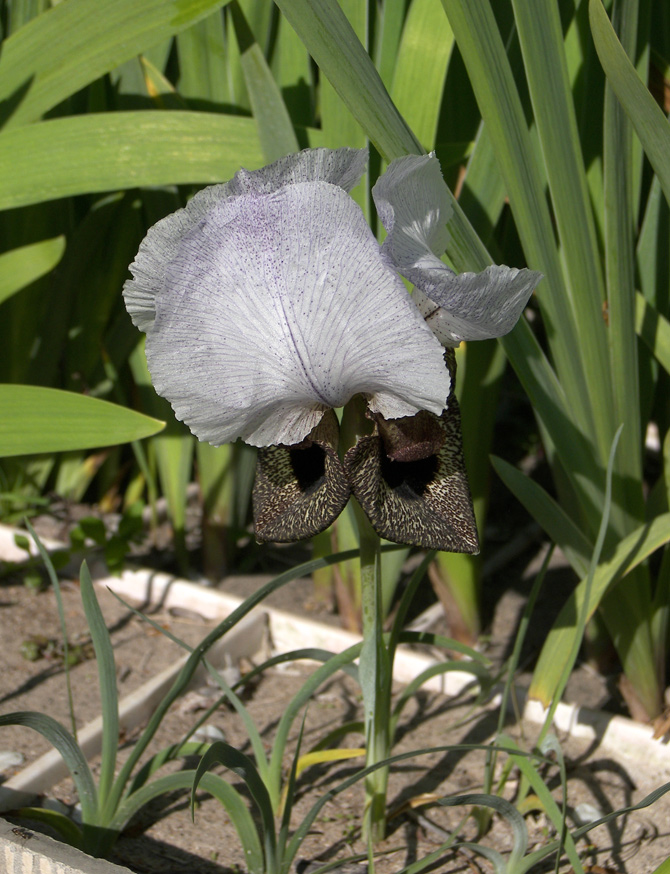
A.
pixel 410 479
pixel 300 490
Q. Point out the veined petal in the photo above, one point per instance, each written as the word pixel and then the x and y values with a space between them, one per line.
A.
pixel 412 202
pixel 342 167
pixel 473 306
pixel 275 308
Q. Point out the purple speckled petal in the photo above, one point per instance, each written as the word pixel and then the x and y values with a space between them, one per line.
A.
pixel 341 167
pixel 274 308
pixel 412 202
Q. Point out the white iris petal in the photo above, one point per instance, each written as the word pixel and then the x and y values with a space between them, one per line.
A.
pixel 342 167
pixel 412 202
pixel 273 308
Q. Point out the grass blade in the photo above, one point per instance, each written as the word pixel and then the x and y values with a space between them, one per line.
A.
pixel 226 755
pixel 509 813
pixel 551 808
pixel 633 550
pixel 66 745
pixel 109 699
pixel 229 797
pixel 216 634
pixel 55 582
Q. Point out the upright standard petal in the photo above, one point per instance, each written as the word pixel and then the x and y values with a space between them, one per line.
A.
pixel 275 308
pixel 414 207
pixel 342 167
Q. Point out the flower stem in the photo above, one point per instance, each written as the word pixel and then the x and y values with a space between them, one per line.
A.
pixel 376 679
pixel 375 663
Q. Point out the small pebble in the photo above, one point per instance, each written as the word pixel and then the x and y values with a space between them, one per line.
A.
pixel 208 734
pixel 9 759
pixel 586 813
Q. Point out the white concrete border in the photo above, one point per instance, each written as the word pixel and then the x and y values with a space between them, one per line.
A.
pixel 24 851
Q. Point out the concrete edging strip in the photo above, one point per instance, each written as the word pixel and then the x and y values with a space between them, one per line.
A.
pixel 23 851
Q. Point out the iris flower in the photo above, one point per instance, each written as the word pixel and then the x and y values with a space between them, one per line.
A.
pixel 267 303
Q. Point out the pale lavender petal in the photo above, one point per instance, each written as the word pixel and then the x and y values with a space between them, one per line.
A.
pixel 413 204
pixel 275 308
pixel 473 306
pixel 342 167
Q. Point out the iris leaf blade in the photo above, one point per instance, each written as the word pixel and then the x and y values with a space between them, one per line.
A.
pixel 389 27
pixel 39 419
pixel 650 123
pixel 548 513
pixel 654 329
pixel 340 128
pixel 542 45
pixel 74 43
pixel 332 42
pixel 421 67
pixel 173 449
pixel 275 130
pixel 108 151
pixel 24 265
pixel 202 61
pixel 629 554
pixel 618 173
pixel 485 58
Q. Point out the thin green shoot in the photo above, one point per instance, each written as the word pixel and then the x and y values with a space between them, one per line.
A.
pixel 55 582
